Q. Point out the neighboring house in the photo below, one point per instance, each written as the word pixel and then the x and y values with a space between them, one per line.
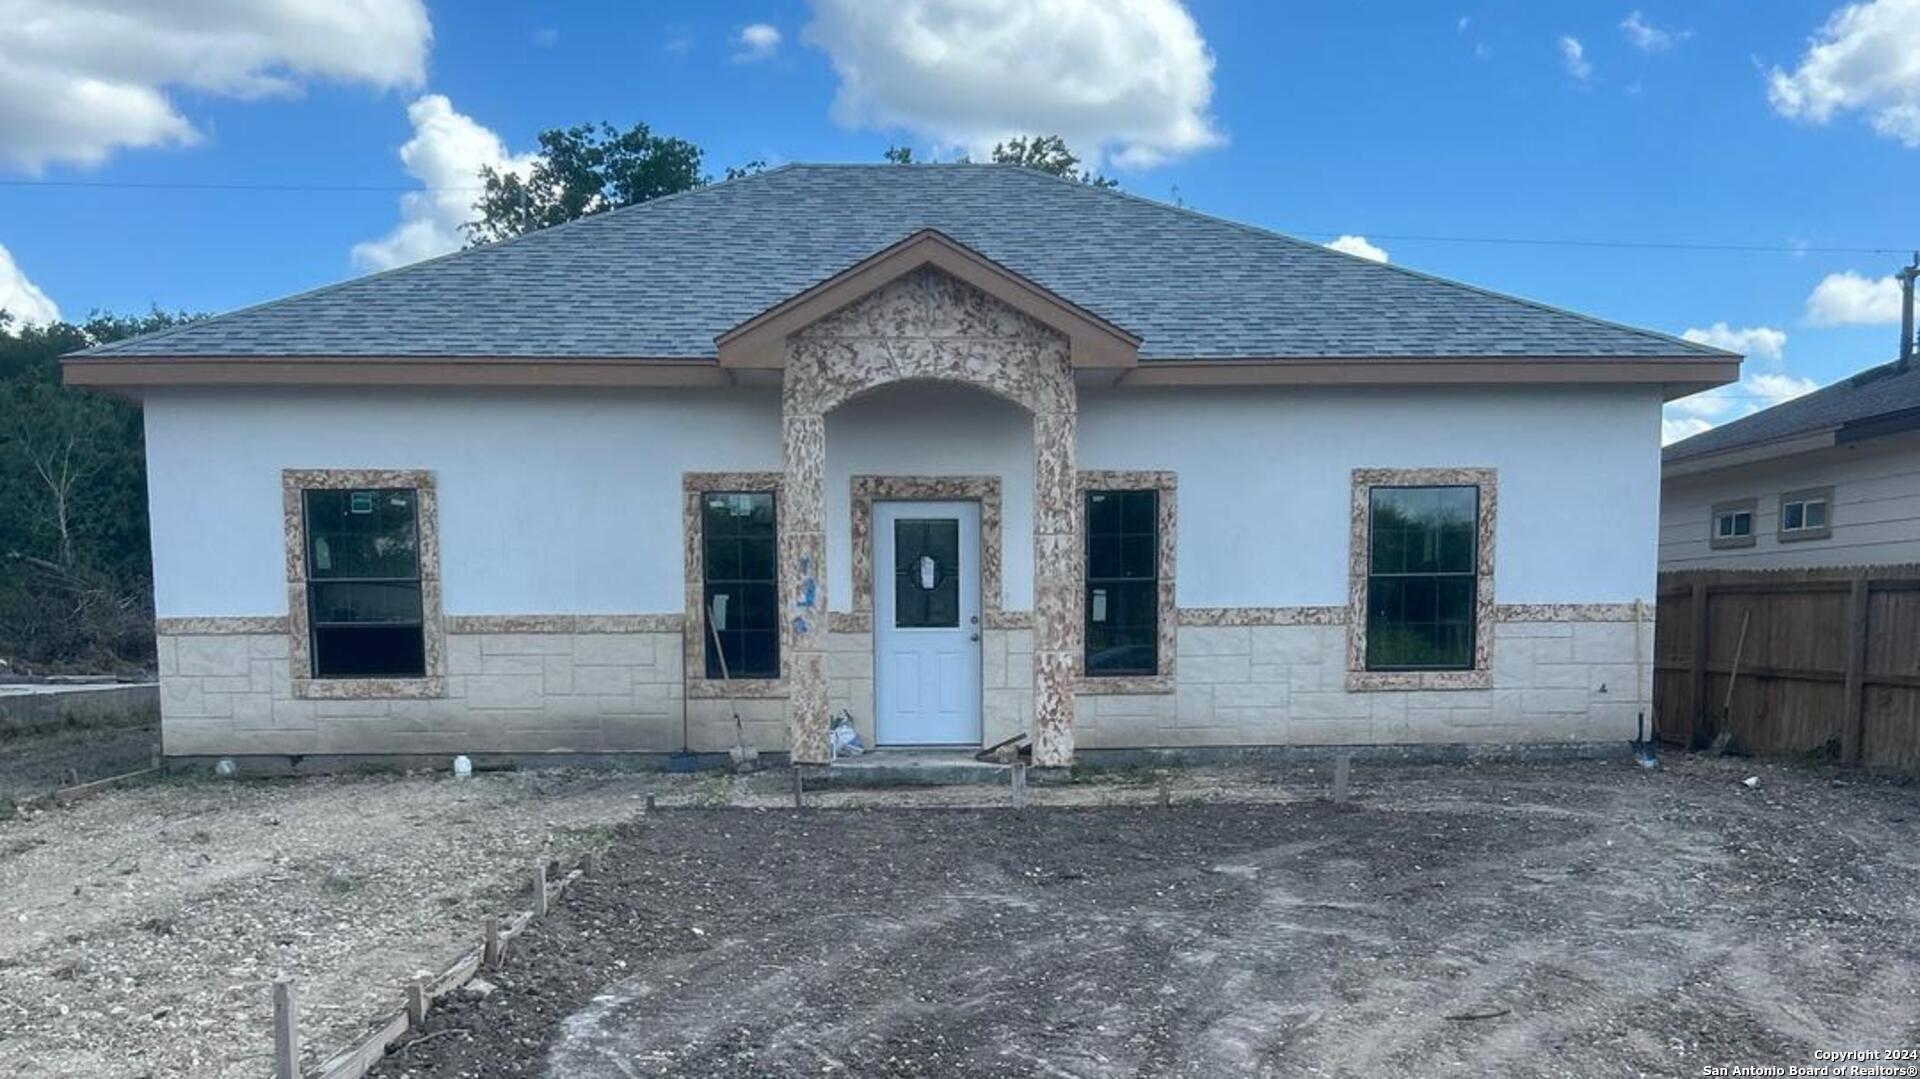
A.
pixel 1829 479
pixel 961 450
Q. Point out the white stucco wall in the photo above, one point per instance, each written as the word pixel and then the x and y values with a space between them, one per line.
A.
pixel 551 502
pixel 924 429
pixel 1265 481
pixel 1875 512
pixel 562 502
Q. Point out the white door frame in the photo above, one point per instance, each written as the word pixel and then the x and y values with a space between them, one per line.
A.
pixel 926 680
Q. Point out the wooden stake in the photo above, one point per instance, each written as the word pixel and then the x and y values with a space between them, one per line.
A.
pixel 286 1031
pixel 540 889
pixel 1342 772
pixel 1019 786
pixel 798 789
pixel 490 943
pixel 649 804
pixel 593 862
pixel 417 1001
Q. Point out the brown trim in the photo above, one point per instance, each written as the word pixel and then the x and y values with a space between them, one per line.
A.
pixel 1360 678
pixel 399 371
pixel 1165 486
pixel 760 341
pixel 294 483
pixel 1678 376
pixel 693 625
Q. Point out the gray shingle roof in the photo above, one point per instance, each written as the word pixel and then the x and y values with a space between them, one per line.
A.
pixel 1873 394
pixel 661 279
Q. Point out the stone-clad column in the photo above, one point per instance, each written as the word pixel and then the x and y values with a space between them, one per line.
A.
pixel 1057 557
pixel 803 581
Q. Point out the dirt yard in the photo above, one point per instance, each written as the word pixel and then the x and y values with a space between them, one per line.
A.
pixel 34 764
pixel 1567 918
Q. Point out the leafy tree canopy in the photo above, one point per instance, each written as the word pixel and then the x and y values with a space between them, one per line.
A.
pixel 586 169
pixel 1041 153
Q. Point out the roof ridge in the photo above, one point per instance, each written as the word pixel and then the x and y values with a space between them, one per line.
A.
pixel 109 348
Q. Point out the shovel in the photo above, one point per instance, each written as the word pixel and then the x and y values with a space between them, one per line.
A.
pixel 746 758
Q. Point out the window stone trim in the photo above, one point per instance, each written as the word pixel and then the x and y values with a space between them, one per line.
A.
pixel 1801 535
pixel 1733 505
pixel 1480 675
pixel 294 482
pixel 693 627
pixel 1167 617
pixel 866 490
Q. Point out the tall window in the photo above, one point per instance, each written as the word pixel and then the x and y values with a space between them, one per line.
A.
pixel 1421 567
pixel 363 583
pixel 741 604
pixel 1123 583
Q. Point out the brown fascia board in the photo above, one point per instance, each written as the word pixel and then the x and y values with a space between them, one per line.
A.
pixel 761 340
pixel 113 372
pixel 1678 376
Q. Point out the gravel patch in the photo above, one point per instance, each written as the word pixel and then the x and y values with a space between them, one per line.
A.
pixel 1553 918
pixel 34 764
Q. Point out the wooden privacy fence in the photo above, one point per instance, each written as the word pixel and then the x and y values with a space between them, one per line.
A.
pixel 1792 661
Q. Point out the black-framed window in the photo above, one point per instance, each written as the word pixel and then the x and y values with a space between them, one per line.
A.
pixel 739 560
pixel 1123 583
pixel 363 583
pixel 1422 561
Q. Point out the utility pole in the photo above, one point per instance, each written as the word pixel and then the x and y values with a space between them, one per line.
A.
pixel 1906 276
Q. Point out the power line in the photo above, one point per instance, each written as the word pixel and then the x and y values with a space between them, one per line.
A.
pixel 1394 237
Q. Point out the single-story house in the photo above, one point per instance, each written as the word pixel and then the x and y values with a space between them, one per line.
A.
pixel 1828 479
pixel 960 451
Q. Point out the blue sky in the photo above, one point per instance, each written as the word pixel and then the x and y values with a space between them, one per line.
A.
pixel 1785 127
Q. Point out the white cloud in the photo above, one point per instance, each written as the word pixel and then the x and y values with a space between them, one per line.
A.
pixel 1866 57
pixel 1764 342
pixel 1756 389
pixel 445 154
pixel 1129 80
pixel 1358 245
pixel 1573 56
pixel 82 78
pixel 1848 299
pixel 757 41
pixel 1647 37
pixel 20 297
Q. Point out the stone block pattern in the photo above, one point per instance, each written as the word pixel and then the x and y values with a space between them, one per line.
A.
pixel 1552 681
pixel 617 692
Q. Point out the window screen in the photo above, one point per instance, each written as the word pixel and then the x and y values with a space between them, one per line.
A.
pixel 363 584
pixel 1422 561
pixel 1123 583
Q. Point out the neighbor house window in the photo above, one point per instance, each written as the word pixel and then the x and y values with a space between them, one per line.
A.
pixel 1422 569
pixel 365 611
pixel 739 554
pixel 1806 515
pixel 1733 524
pixel 1123 583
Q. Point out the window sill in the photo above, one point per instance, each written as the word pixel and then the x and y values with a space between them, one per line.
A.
pixel 1386 681
pixel 369 689
pixel 1802 535
pixel 1124 684
pixel 1730 544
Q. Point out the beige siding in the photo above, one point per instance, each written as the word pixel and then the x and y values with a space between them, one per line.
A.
pixel 1876 509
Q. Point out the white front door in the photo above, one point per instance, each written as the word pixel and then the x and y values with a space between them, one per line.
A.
pixel 926 623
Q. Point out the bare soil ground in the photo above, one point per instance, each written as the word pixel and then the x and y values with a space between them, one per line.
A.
pixel 140 931
pixel 1549 918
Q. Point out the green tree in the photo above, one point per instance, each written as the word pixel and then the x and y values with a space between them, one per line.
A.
pixel 75 571
pixel 584 170
pixel 1048 154
pixel 1041 153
